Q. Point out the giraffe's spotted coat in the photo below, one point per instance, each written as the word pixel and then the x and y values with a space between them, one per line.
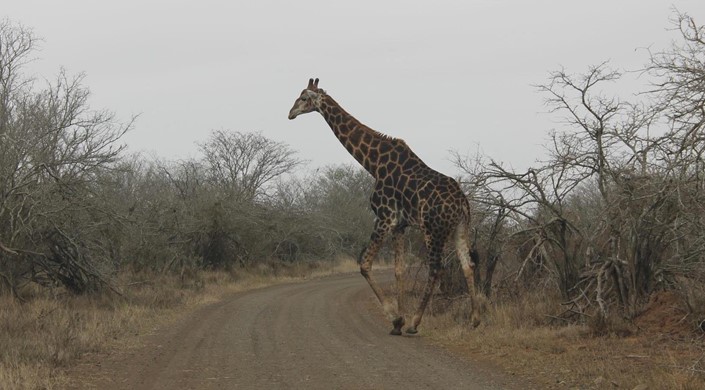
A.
pixel 407 193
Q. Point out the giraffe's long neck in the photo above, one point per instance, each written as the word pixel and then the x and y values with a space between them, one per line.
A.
pixel 373 150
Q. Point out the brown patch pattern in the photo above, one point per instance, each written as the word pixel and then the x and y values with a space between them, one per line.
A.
pixel 407 193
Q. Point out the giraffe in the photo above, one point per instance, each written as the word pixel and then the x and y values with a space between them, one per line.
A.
pixel 406 193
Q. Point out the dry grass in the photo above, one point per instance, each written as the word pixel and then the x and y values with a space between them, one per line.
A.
pixel 521 336
pixel 42 337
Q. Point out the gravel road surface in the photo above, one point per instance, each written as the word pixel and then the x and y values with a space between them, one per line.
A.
pixel 324 333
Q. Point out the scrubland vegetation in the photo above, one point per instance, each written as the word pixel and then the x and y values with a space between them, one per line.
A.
pixel 96 243
pixel 593 260
pixel 591 263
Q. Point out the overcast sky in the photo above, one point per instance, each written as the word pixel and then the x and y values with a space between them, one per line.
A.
pixel 443 75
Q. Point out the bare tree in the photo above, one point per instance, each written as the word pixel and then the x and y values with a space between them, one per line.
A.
pixel 245 163
pixel 616 208
pixel 53 149
pixel 678 90
pixel 16 44
pixel 491 218
pixel 678 77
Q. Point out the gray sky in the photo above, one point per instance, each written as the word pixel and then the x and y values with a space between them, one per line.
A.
pixel 442 75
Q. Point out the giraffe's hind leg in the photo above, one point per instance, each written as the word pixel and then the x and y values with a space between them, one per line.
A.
pixel 462 247
pixel 398 237
pixel 435 246
pixel 435 270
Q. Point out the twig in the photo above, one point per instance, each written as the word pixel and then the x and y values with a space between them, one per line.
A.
pixel 136 283
pixel 8 250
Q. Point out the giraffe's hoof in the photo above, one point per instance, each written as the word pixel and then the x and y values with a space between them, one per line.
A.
pixel 398 324
pixel 411 330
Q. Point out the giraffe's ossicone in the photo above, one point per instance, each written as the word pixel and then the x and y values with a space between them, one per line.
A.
pixel 407 193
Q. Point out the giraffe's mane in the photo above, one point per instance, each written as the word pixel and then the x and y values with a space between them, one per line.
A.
pixel 366 128
pixel 383 136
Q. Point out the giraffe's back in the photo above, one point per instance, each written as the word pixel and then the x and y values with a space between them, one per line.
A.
pixel 420 197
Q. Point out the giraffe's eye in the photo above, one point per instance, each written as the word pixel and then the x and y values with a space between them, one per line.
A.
pixel 304 98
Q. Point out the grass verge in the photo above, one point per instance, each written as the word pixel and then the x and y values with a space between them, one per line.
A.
pixel 654 351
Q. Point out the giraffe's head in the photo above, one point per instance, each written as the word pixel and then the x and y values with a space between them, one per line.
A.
pixel 309 100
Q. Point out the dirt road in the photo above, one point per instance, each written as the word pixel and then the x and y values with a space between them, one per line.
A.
pixel 321 334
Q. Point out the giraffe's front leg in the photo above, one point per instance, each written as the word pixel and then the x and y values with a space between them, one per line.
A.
pixel 435 270
pixel 367 257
